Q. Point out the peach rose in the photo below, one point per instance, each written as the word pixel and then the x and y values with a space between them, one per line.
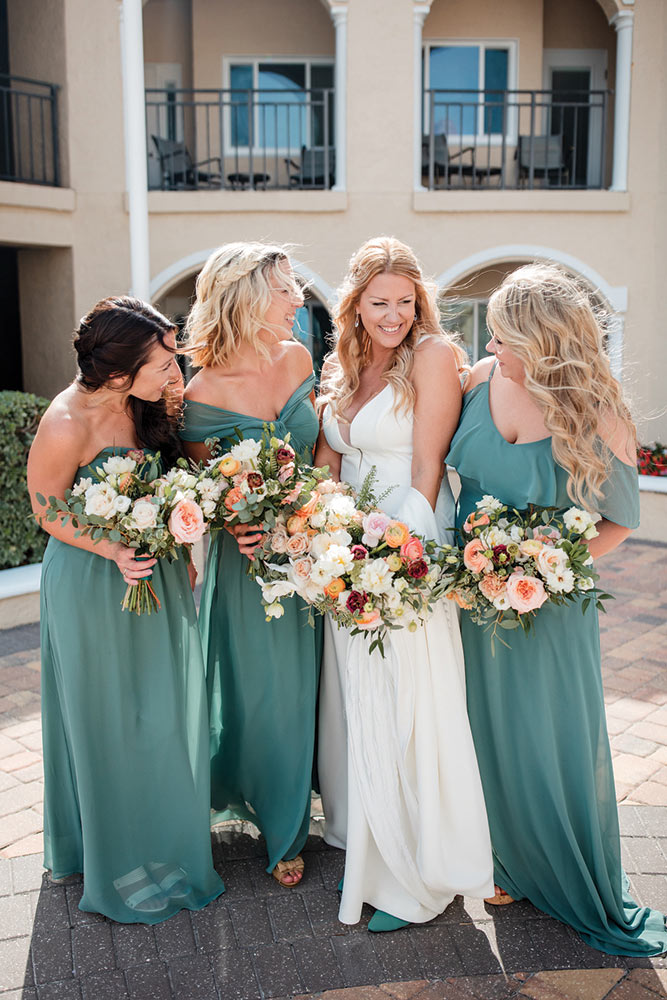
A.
pixel 525 593
pixel 335 588
pixel 309 508
pixel 229 466
pixel 292 495
pixel 302 568
pixel 234 495
pixel 462 598
pixel 295 524
pixel 474 558
pixel 492 586
pixel 551 560
pixel 186 522
pixel 368 619
pixel 475 520
pixel 412 549
pixel 530 547
pixel 396 534
pixel 279 538
pixel 297 545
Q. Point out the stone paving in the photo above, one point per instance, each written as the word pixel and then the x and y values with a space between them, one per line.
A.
pixel 260 940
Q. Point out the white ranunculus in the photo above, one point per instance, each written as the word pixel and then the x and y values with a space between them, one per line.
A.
pixel 118 464
pixel 100 500
pixel 495 536
pixel 82 486
pixel 144 514
pixel 581 521
pixel 246 451
pixel 340 510
pixel 341 537
pixel 182 479
pixel 501 602
pixel 488 504
pixel 561 581
pixel 319 544
pixel 121 505
pixel 337 559
pixel 375 577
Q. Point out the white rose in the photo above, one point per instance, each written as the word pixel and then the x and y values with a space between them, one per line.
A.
pixel 580 521
pixel 488 504
pixel 81 487
pixel 340 510
pixel 495 536
pixel 318 519
pixel 550 560
pixel 375 577
pixel 341 537
pixel 182 479
pixel 336 560
pixel 121 505
pixel 561 581
pixel 118 464
pixel 319 544
pixel 144 514
pixel 100 500
pixel 246 451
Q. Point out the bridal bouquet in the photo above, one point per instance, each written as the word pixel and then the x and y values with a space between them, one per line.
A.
pixel 347 558
pixel 254 481
pixel 514 563
pixel 132 503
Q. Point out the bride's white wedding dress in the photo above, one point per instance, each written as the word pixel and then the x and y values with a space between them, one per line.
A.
pixel 398 775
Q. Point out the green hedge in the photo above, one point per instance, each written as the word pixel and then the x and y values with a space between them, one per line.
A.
pixel 21 540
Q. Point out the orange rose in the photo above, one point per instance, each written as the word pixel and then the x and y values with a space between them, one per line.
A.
pixel 233 497
pixel 396 534
pixel 412 549
pixel 295 524
pixel 525 593
pixel 475 520
pixel 335 588
pixel 229 466
pixel 474 558
pixel 308 508
pixel 462 599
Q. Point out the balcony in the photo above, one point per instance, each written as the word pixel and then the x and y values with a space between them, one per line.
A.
pixel 240 139
pixel 28 131
pixel 515 139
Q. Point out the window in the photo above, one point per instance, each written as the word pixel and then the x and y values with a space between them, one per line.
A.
pixel 468 319
pixel 290 105
pixel 469 81
pixel 313 329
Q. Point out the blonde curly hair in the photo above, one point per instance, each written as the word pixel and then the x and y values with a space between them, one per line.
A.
pixel 233 294
pixel 380 255
pixel 549 321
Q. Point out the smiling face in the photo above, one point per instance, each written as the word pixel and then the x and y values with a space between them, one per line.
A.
pixel 159 369
pixel 510 365
pixel 286 298
pixel 386 309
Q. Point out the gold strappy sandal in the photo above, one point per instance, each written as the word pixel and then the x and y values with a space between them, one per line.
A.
pixel 501 898
pixel 294 866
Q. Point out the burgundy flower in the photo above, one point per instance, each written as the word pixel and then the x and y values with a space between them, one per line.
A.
pixel 500 556
pixel 255 480
pixel 417 569
pixel 284 455
pixel 356 601
pixel 359 551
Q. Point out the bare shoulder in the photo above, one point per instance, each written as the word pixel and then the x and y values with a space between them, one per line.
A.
pixel 63 430
pixel 618 437
pixel 299 359
pixel 204 386
pixel 434 356
pixel 479 373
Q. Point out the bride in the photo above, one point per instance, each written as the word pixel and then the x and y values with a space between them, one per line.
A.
pixel 398 774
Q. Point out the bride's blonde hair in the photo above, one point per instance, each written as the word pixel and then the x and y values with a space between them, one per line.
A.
pixel 233 294
pixel 381 255
pixel 548 320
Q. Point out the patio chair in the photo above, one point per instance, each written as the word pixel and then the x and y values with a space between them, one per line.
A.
pixel 548 161
pixel 178 170
pixel 311 171
pixel 443 160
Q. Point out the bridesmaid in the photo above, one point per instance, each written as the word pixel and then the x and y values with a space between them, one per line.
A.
pixel 123 698
pixel 262 677
pixel 545 423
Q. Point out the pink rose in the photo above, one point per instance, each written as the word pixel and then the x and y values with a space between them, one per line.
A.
pixel 412 549
pixel 475 520
pixel 474 558
pixel 297 545
pixel 278 538
pixel 292 495
pixel 368 619
pixel 492 586
pixel 375 525
pixel 286 473
pixel 302 568
pixel 186 522
pixel 525 593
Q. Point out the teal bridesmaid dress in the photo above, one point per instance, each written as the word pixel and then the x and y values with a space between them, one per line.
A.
pixel 537 715
pixel 262 676
pixel 126 780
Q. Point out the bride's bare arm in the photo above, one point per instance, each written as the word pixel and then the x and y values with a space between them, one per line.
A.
pixel 325 455
pixel 436 414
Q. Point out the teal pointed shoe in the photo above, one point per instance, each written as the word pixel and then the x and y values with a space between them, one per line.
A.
pixel 381 921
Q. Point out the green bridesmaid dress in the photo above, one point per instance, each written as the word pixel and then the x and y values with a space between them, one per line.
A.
pixel 262 676
pixel 537 715
pixel 126 782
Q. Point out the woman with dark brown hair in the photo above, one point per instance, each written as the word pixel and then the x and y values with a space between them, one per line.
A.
pixel 126 785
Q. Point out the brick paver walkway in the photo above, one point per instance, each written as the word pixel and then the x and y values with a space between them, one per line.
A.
pixel 259 940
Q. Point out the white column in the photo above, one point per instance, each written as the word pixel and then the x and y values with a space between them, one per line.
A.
pixel 419 13
pixel 622 22
pixel 339 17
pixel 134 122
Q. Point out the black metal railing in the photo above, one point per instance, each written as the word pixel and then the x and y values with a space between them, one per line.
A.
pixel 240 139
pixel 515 139
pixel 28 131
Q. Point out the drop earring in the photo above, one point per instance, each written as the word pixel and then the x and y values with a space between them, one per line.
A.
pixel 356 322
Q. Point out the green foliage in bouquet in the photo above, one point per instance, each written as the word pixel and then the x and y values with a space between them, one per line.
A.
pixel 22 541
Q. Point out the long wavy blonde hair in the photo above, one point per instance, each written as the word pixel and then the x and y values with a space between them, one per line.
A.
pixel 548 320
pixel 381 255
pixel 233 294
